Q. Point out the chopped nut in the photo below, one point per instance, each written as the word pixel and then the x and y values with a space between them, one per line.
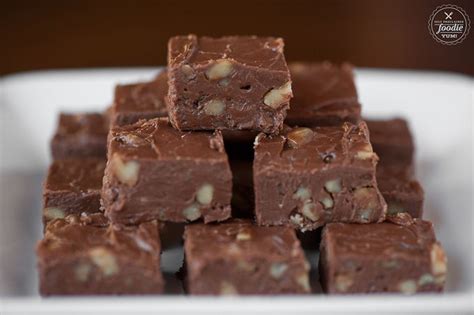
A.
pixel 82 272
pixel 243 236
pixel 365 153
pixel 296 219
pixel 105 260
pixel 343 282
pixel 214 107
pixel 303 281
pixel 192 212
pixel 394 208
pixel 233 249
pixel 365 215
pixel 228 289
pixel 277 270
pixel 333 186
pixel 302 193
pixel 205 194
pixel 408 287
pixel 224 82
pixel 390 264
pixel 221 69
pixel 188 71
pixel 438 260
pixel 299 137
pixel 365 200
pixel 278 96
pixel 245 266
pixel 327 202
pixel 131 140
pixel 126 172
pixel 425 279
pixel 142 244
pixel 52 213
pixel 311 211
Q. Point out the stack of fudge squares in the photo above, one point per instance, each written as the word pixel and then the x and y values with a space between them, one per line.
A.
pixel 244 151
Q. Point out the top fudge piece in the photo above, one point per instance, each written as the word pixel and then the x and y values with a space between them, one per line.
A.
pixel 85 255
pixel 324 94
pixel 157 172
pixel 140 101
pixel 308 177
pixel 392 141
pixel 237 257
pixel 80 135
pixel 398 256
pixel 236 82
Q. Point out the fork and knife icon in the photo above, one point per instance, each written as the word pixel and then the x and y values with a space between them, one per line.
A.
pixel 449 16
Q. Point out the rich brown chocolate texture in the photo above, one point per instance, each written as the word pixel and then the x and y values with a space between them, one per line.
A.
pixel 235 82
pixel 72 186
pixel 81 255
pixel 324 95
pixel 400 256
pixel 237 257
pixel 393 143
pixel 157 172
pixel 307 177
pixel 80 135
pixel 144 100
pixel 401 193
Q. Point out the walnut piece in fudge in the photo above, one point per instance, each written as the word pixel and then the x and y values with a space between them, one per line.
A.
pixel 157 172
pixel 80 135
pixel 145 100
pixel 324 95
pixel 81 255
pixel 235 82
pixel 402 256
pixel 72 186
pixel 236 257
pixel 307 177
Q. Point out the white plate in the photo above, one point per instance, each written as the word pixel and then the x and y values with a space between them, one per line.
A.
pixel 438 106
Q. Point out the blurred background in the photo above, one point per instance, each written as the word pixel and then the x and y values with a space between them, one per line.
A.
pixel 50 34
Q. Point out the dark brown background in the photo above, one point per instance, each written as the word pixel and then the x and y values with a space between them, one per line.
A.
pixel 110 33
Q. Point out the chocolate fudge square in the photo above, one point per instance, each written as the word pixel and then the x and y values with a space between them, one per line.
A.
pixel 237 257
pixel 83 256
pixel 401 192
pixel 80 135
pixel 235 82
pixel 324 94
pixel 307 177
pixel 157 172
pixel 72 186
pixel 144 100
pixel 401 256
pixel 392 141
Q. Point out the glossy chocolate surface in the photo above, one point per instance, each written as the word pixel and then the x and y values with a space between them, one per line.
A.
pixel 237 257
pixel 235 82
pixel 157 172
